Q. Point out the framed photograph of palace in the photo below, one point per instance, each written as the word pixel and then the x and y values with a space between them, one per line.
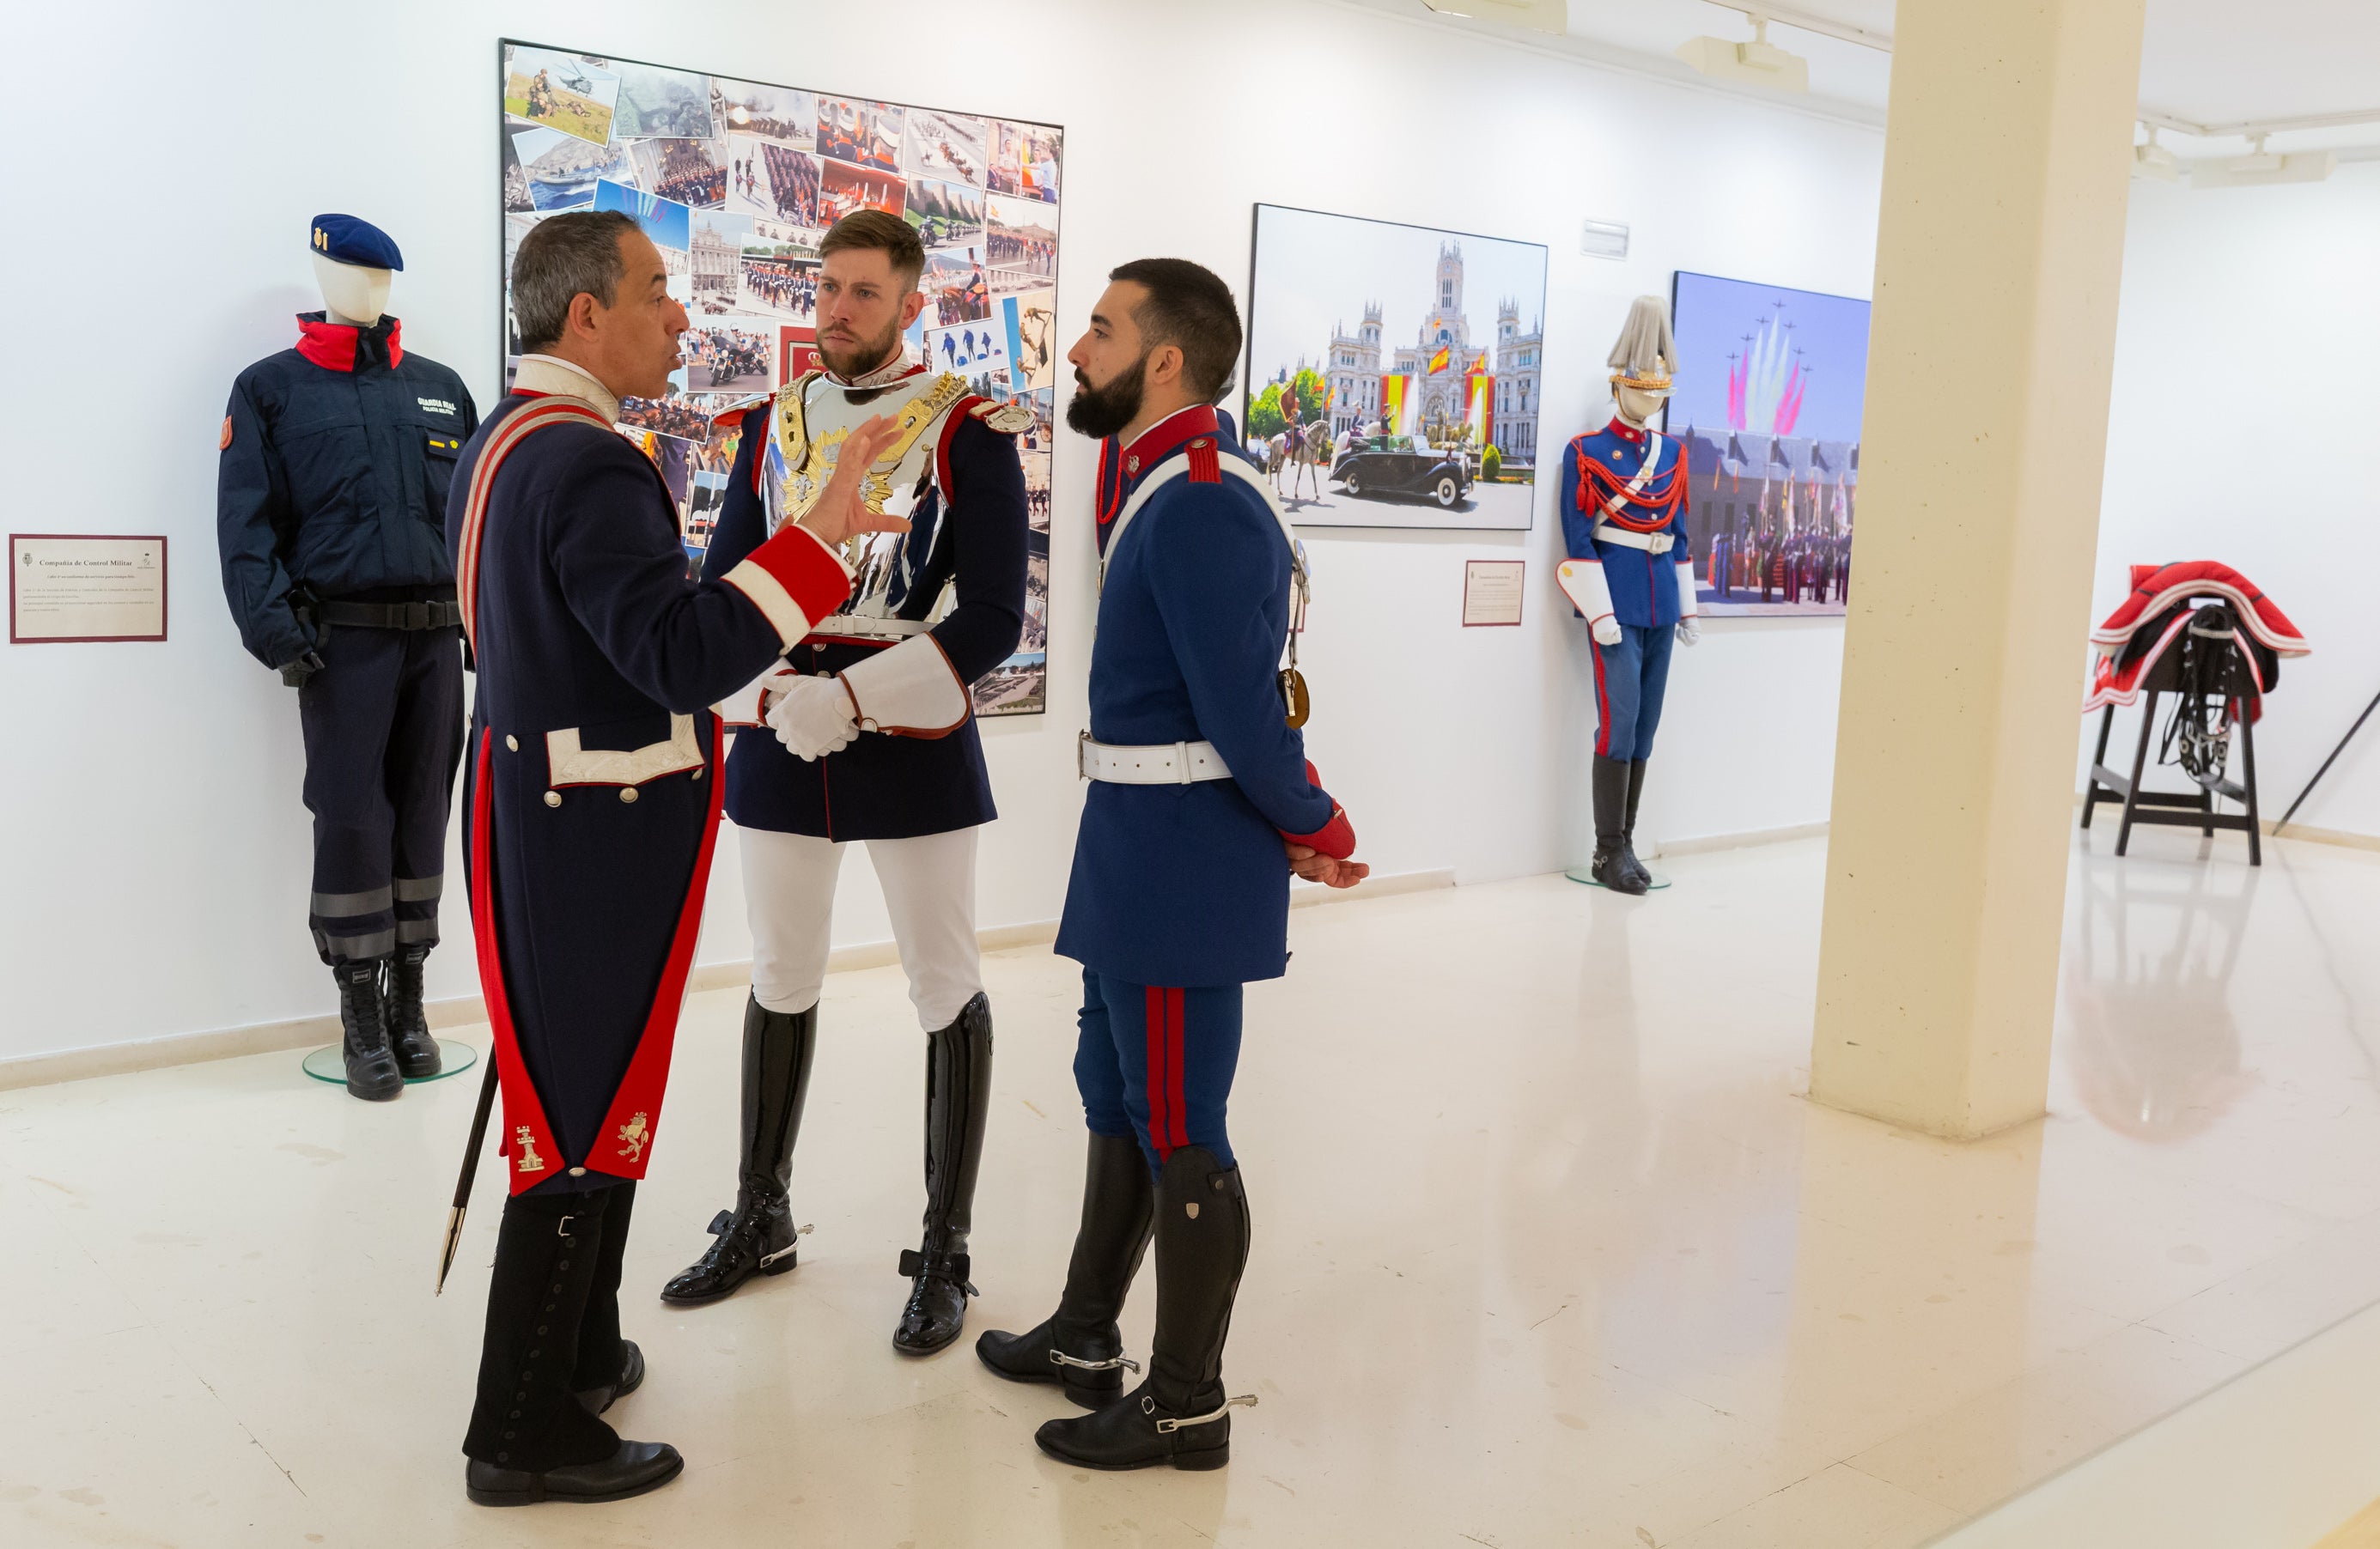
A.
pixel 1772 383
pixel 1394 371
pixel 737 181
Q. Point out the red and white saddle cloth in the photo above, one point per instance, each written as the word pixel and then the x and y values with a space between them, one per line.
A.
pixel 2159 609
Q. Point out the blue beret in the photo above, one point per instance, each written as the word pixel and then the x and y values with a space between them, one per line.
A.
pixel 344 239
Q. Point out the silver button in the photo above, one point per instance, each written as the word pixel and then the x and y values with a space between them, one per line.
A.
pixel 512 744
pixel 554 798
pixel 575 1172
pixel 628 792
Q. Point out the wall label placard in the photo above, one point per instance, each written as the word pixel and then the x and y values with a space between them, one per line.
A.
pixel 69 588
pixel 1491 593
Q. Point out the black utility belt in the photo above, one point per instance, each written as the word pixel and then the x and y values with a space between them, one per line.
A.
pixel 444 613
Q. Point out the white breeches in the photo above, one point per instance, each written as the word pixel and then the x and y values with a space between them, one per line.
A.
pixel 928 886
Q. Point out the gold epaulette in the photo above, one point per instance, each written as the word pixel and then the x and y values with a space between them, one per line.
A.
pixel 1009 420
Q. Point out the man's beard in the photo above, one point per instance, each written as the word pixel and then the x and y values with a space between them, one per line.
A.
pixel 1101 412
pixel 877 353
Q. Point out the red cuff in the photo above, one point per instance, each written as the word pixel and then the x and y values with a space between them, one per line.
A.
pixel 1335 839
pixel 795 579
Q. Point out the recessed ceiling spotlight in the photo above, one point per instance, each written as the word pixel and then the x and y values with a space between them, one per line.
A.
pixel 1759 61
pixel 2260 168
pixel 1538 16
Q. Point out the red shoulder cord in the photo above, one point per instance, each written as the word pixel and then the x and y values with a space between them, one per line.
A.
pixel 1663 494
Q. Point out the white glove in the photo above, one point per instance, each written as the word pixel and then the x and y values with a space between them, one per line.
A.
pixel 1690 626
pixel 1690 629
pixel 813 716
pixel 1605 631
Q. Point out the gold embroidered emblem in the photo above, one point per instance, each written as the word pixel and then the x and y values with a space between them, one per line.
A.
pixel 633 1135
pixel 524 1152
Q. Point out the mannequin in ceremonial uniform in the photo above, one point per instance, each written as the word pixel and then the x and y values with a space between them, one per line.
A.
pixel 1180 892
pixel 1631 573
pixel 331 517
pixel 592 803
pixel 874 740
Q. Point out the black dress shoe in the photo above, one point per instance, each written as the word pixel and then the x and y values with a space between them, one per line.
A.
pixel 1137 1431
pixel 363 1033
pixel 632 1377
pixel 637 1467
pixel 408 1028
pixel 1090 1372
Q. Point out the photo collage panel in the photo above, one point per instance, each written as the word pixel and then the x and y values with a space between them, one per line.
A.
pixel 737 182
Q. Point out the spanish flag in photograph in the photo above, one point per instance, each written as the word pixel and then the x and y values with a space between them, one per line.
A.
pixel 1440 362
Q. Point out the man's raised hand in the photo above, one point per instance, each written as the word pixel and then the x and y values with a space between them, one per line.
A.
pixel 842 512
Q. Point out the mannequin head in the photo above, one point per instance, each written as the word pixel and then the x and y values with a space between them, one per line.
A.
pixel 1642 361
pixel 352 293
pixel 1638 405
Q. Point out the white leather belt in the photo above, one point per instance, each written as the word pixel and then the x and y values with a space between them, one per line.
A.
pixel 883 629
pixel 1651 543
pixel 1155 764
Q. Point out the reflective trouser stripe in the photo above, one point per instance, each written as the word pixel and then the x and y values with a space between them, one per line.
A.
pixel 352 949
pixel 419 889
pixel 335 906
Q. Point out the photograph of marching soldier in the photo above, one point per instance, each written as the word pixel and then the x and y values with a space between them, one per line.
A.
pixel 592 805
pixel 331 512
pixel 1631 574
pixel 874 742
pixel 1202 803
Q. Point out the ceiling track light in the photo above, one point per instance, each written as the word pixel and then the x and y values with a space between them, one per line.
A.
pixel 2152 160
pixel 2261 168
pixel 1758 62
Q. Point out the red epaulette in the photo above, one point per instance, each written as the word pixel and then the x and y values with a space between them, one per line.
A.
pixel 1204 467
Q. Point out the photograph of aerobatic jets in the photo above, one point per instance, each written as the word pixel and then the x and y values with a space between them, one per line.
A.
pixel 1393 372
pixel 1771 384
pixel 737 181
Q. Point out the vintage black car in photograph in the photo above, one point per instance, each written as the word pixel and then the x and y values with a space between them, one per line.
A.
pixel 1385 467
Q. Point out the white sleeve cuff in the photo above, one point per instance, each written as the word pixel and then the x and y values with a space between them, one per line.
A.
pixel 1581 582
pixel 1686 607
pixel 908 691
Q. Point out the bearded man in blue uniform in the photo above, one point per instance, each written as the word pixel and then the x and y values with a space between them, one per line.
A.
pixel 1201 807
pixel 1630 574
pixel 593 804
pixel 875 742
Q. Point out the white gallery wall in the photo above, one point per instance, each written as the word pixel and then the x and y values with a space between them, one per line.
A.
pixel 155 850
pixel 2247 388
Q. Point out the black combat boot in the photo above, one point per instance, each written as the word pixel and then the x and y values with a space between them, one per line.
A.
pixel 608 1368
pixel 1179 1414
pixel 531 1439
pixel 1612 866
pixel 408 1028
pixel 758 1236
pixel 371 1066
pixel 958 1100
pixel 1079 1346
pixel 1628 823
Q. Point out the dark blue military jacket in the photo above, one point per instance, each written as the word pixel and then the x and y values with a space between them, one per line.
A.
pixel 880 786
pixel 336 460
pixel 593 769
pixel 1188 885
pixel 1644 585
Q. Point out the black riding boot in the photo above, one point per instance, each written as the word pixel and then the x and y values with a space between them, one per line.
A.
pixel 958 1100
pixel 1628 823
pixel 758 1236
pixel 408 1028
pixel 531 1438
pixel 1079 1346
pixel 1179 1414
pixel 1612 864
pixel 371 1066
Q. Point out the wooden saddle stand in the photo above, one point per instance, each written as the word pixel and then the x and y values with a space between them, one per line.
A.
pixel 2220 693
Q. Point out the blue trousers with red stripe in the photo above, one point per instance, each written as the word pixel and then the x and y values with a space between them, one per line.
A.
pixel 1630 679
pixel 1157 1063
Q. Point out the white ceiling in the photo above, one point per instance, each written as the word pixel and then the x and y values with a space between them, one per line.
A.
pixel 2202 61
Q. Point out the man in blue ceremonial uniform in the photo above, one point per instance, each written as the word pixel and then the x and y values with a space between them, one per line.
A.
pixel 1631 573
pixel 875 741
pixel 593 804
pixel 331 517
pixel 1202 804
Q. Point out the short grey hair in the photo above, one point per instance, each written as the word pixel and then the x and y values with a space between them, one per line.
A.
pixel 562 257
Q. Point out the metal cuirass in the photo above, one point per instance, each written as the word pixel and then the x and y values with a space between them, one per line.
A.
pixel 808 424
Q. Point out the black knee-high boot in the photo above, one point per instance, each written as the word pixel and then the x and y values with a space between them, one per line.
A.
pixel 529 1438
pixel 1611 865
pixel 1079 1346
pixel 758 1236
pixel 1179 1414
pixel 958 1101
pixel 1628 823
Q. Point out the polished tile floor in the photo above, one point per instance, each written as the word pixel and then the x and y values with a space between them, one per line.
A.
pixel 1549 1252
